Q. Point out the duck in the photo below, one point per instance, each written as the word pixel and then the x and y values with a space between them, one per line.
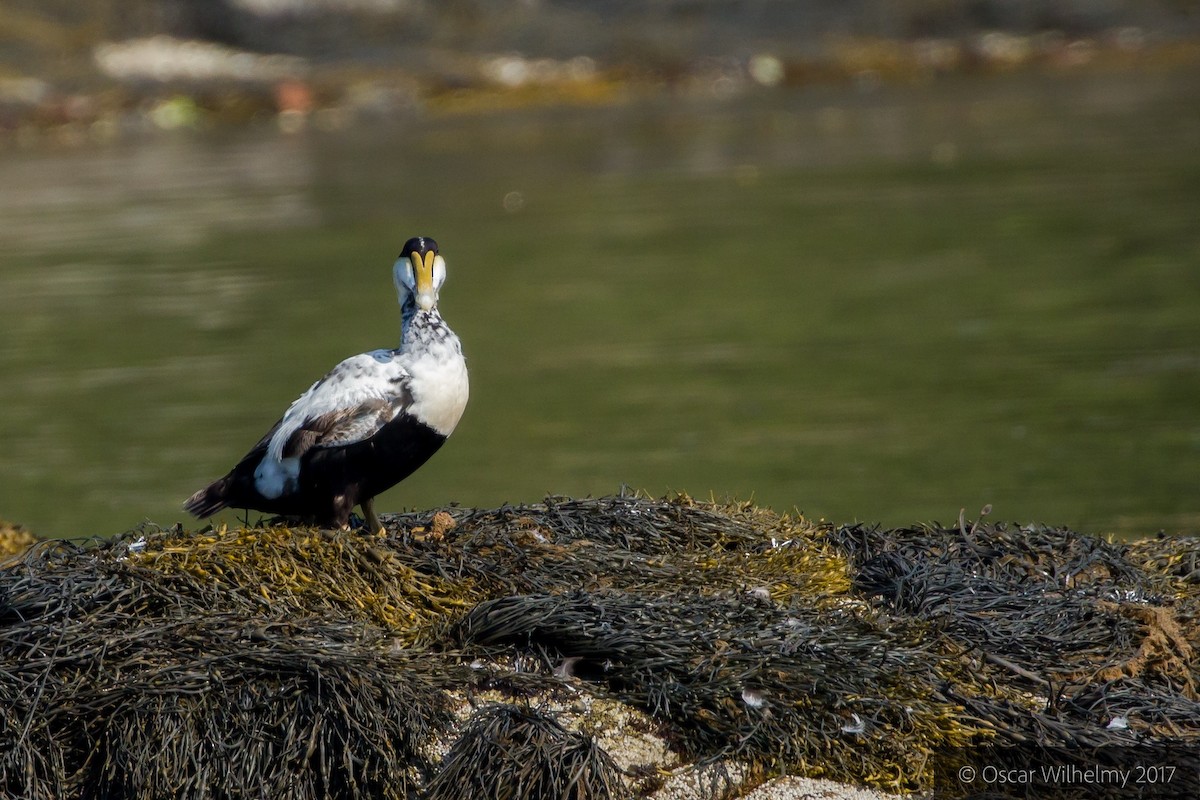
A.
pixel 369 423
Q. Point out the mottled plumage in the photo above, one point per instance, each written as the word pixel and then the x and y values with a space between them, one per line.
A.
pixel 371 422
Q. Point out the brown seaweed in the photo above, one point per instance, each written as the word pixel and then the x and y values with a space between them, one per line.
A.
pixel 297 663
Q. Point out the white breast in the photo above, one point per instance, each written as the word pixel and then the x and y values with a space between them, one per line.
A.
pixel 439 385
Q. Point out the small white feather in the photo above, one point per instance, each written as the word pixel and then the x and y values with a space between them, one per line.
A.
pixel 859 725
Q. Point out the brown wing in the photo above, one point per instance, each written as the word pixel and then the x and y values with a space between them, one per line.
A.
pixel 341 427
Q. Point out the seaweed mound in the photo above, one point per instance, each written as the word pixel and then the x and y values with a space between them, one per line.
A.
pixel 459 654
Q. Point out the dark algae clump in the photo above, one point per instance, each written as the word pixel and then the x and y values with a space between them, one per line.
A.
pixel 299 663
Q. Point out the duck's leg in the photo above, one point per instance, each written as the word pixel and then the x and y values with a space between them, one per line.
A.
pixel 342 506
pixel 372 521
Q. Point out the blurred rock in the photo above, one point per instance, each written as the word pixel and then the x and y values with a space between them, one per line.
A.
pixel 164 58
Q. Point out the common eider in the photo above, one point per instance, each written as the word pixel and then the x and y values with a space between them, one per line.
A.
pixel 364 427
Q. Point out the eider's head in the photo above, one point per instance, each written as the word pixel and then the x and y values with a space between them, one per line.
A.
pixel 420 272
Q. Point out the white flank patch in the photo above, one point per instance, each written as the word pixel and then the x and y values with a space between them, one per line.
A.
pixel 275 478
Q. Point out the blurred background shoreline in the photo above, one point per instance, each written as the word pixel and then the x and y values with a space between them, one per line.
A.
pixel 71 71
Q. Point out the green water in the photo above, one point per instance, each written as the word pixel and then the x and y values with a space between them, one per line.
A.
pixel 879 306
